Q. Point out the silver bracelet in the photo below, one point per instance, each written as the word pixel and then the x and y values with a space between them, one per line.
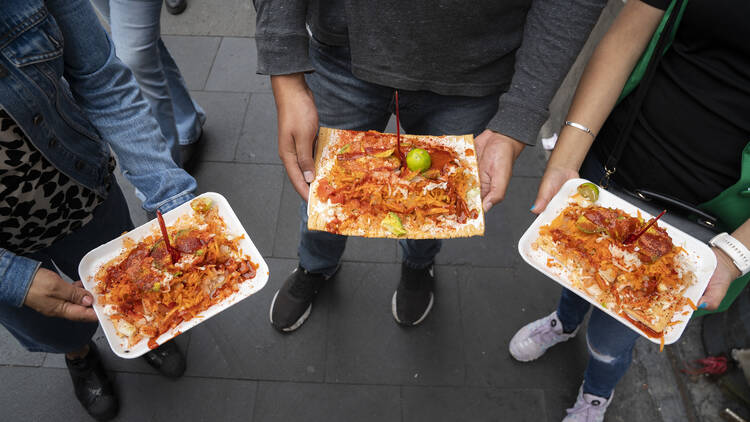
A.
pixel 580 127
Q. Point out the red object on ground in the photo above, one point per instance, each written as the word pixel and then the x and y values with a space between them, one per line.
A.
pixel 173 253
pixel 633 237
pixel 712 365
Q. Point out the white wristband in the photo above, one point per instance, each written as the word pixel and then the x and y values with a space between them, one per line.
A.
pixel 738 252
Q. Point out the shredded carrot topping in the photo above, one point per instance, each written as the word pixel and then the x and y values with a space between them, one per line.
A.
pixel 368 181
pixel 643 282
pixel 146 295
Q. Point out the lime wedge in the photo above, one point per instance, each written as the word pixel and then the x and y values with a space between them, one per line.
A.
pixel 589 191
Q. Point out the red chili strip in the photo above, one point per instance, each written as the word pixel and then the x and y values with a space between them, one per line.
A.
pixel 633 237
pixel 173 253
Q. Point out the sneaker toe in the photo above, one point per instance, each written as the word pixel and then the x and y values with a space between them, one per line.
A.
pixel 411 307
pixel 104 407
pixel 288 314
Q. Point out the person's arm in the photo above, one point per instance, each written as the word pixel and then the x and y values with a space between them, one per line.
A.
pixel 597 92
pixel 23 282
pixel 282 43
pixel 725 272
pixel 554 32
pixel 109 96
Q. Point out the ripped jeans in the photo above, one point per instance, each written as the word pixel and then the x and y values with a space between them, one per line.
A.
pixel 610 343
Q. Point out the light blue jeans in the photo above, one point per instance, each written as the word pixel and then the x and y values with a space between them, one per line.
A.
pixel 137 37
pixel 610 343
pixel 346 102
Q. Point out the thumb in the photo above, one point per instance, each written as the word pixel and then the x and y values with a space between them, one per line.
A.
pixel 73 294
pixel 75 312
pixel 545 194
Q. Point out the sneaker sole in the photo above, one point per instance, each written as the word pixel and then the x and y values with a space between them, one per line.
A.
pixel 294 326
pixel 424 315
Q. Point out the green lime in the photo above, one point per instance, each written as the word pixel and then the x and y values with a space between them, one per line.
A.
pixel 418 160
pixel 589 191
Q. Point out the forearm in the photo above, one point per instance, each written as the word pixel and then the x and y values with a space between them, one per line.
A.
pixel 603 80
pixel 16 275
pixel 109 96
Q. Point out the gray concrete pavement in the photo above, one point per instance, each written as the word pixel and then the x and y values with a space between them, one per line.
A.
pixel 350 361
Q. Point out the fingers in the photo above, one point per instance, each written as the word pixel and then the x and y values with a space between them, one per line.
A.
pixel 304 148
pixel 545 194
pixel 496 192
pixel 73 294
pixel 711 298
pixel 295 175
pixel 75 312
pixel 50 295
pixel 493 180
pixel 554 178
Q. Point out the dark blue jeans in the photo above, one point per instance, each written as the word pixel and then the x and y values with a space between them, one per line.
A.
pixel 609 342
pixel 346 102
pixel 39 333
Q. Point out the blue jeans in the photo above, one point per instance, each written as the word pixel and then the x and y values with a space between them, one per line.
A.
pixel 346 102
pixel 39 333
pixel 609 342
pixel 137 38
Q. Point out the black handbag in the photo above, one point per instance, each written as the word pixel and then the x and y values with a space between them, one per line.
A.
pixel 681 214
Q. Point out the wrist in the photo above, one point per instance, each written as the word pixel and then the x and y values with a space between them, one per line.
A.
pixel 283 84
pixel 726 261
pixel 514 145
pixel 736 252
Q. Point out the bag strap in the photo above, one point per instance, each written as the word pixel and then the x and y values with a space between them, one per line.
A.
pixel 610 167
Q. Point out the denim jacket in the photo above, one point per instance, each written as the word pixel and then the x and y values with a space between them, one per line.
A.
pixel 63 85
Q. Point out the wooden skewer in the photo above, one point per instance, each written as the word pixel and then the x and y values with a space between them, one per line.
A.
pixel 398 135
pixel 633 237
pixel 173 253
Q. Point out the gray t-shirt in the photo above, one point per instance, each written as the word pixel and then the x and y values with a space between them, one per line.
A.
pixel 521 48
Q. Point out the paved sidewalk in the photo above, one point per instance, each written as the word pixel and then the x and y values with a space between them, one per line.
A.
pixel 350 361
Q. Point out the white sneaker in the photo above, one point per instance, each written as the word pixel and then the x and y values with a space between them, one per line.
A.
pixel 531 341
pixel 588 408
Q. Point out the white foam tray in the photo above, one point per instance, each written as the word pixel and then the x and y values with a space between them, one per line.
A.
pixel 699 254
pixel 92 262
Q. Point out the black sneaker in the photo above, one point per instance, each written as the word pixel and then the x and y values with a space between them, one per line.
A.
pixel 291 305
pixel 92 386
pixel 167 359
pixel 413 298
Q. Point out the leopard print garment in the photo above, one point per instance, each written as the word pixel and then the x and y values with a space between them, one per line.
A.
pixel 38 203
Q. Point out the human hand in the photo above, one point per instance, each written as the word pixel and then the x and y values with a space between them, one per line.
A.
pixel 496 154
pixel 50 295
pixel 298 128
pixel 553 179
pixel 725 273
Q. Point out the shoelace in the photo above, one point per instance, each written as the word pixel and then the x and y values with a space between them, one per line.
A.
pixel 544 331
pixel 582 406
pixel 302 288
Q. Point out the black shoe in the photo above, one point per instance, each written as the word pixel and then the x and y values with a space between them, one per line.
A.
pixel 190 153
pixel 291 305
pixel 175 7
pixel 413 298
pixel 92 385
pixel 167 359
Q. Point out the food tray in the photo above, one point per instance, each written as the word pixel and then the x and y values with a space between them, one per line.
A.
pixel 700 255
pixel 93 261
